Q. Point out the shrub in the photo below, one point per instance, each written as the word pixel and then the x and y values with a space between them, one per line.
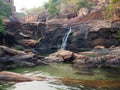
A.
pixel 118 35
pixel 5 9
pixel 1 26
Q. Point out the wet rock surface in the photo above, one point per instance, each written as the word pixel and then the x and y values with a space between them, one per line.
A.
pixel 100 57
pixel 88 59
pixel 99 62
pixel 10 58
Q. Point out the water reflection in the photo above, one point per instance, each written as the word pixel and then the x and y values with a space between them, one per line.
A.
pixel 38 85
pixel 72 78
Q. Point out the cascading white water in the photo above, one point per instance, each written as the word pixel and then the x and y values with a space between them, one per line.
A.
pixel 65 38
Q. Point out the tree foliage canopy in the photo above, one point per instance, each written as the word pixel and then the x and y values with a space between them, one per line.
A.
pixel 1 26
pixel 5 9
pixel 54 7
pixel 110 8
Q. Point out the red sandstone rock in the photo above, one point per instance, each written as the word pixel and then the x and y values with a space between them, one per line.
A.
pixel 16 77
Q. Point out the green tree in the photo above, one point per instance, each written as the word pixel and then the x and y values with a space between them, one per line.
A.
pixel 109 10
pixel 74 5
pixel 1 26
pixel 5 9
pixel 53 8
pixel 80 4
pixel 118 35
pixel 115 1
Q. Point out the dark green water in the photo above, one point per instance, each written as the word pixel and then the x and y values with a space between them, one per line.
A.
pixel 68 72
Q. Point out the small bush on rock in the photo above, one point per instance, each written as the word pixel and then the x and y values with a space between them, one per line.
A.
pixel 1 26
pixel 118 35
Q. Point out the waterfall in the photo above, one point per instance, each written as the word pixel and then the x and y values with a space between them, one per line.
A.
pixel 65 38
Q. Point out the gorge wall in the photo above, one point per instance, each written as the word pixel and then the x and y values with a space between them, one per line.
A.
pixel 13 16
pixel 88 31
pixel 84 36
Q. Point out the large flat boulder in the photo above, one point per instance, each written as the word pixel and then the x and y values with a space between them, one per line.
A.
pixel 16 77
pixel 8 51
pixel 64 56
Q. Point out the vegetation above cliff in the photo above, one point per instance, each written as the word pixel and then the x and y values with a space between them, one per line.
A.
pixel 56 8
pixel 5 9
pixel 110 8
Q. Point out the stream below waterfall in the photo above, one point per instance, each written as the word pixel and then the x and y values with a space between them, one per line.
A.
pixel 66 77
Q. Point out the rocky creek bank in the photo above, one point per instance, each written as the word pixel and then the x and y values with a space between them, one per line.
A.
pixel 96 36
pixel 10 58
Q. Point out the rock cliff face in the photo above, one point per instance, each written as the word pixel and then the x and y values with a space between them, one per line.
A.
pixel 88 31
pixel 13 17
pixel 86 40
pixel 84 36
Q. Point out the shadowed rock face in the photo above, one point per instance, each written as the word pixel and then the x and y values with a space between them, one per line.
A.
pixel 89 39
pixel 8 39
pixel 52 39
pixel 83 37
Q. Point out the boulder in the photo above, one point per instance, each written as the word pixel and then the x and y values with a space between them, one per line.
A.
pixel 30 18
pixel 83 12
pixel 31 42
pixel 116 24
pixel 53 59
pixel 10 58
pixel 114 51
pixel 64 54
pixel 79 56
pixel 116 16
pixel 99 47
pixel 16 77
pixel 80 59
pixel 11 52
pixel 100 62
